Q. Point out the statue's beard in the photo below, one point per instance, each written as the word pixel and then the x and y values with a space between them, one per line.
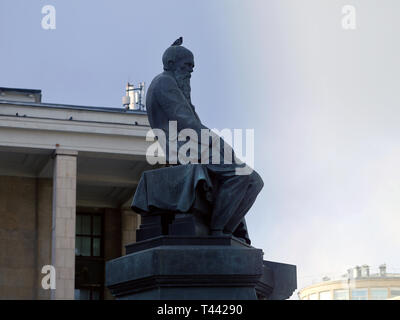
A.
pixel 183 80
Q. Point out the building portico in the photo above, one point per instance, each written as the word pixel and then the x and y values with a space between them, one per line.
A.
pixel 58 162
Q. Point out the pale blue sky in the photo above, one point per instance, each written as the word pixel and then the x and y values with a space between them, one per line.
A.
pixel 324 103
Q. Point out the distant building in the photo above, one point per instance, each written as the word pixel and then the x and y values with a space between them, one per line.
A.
pixel 67 177
pixel 358 284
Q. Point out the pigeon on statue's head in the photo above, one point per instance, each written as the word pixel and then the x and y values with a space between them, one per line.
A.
pixel 178 42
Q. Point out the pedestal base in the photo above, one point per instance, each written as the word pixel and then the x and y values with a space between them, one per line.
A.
pixel 187 268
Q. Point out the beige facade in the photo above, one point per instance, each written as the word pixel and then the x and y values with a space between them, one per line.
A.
pixel 25 236
pixel 65 170
pixel 375 286
pixel 26 239
pixel 130 222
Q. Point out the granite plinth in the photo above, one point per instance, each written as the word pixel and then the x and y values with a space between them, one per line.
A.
pixel 196 268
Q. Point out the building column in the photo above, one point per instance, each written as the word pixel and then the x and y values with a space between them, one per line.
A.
pixel 63 223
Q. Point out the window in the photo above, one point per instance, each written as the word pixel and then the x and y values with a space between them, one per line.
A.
pixel 325 295
pixel 88 235
pixel 359 294
pixel 87 294
pixel 394 292
pixel 89 262
pixel 341 295
pixel 379 293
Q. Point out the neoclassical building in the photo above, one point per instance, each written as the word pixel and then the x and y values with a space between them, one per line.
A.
pixel 67 177
pixel 358 284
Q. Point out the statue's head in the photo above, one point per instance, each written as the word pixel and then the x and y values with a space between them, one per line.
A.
pixel 180 61
pixel 177 57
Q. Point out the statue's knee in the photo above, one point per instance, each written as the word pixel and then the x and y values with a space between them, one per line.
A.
pixel 256 181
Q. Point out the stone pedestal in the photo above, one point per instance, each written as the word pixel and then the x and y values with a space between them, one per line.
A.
pixel 195 268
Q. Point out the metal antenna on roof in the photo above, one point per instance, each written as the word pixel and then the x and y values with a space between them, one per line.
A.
pixel 134 98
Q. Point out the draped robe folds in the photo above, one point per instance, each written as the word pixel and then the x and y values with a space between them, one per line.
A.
pixel 233 194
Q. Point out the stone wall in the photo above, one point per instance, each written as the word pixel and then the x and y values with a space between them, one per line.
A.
pixel 44 214
pixel 24 236
pixel 130 222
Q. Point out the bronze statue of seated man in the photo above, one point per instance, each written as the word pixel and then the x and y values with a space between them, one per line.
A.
pixel 230 195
